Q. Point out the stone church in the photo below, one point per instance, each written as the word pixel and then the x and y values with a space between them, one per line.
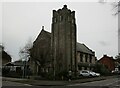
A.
pixel 58 51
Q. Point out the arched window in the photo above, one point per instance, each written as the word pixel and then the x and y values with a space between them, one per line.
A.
pixel 81 57
pixel 60 18
pixel 86 57
pixel 90 58
pixel 55 20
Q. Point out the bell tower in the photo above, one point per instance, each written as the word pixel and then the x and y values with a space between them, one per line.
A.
pixel 63 40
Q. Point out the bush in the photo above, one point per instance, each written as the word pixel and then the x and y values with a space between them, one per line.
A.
pixel 100 68
pixel 5 71
pixel 63 75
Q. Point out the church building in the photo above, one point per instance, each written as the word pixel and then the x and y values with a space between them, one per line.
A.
pixel 58 51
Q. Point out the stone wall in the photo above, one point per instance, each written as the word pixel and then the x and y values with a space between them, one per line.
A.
pixel 64 39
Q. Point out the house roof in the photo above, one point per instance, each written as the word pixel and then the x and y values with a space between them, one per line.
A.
pixel 105 57
pixel 9 64
pixel 5 55
pixel 16 63
pixel 83 48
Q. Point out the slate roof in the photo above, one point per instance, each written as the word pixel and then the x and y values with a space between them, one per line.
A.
pixel 16 63
pixel 83 48
pixel 80 47
pixel 5 55
pixel 43 33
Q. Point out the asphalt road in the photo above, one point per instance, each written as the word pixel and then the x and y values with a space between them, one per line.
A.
pixel 114 82
pixel 109 83
pixel 8 83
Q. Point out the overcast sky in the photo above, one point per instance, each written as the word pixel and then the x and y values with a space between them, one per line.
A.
pixel 97 28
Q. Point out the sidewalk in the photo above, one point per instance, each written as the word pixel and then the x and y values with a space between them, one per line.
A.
pixel 54 83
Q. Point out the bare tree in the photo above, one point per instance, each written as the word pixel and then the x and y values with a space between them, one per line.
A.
pixel 25 51
pixel 115 4
pixel 25 54
pixel 116 7
pixel 118 57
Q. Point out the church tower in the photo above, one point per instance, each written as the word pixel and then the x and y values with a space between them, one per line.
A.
pixel 63 40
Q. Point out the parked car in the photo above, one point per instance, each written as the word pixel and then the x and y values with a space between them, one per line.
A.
pixel 87 73
pixel 97 74
pixel 115 72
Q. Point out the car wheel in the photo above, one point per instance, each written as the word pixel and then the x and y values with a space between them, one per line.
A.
pixel 90 75
pixel 80 75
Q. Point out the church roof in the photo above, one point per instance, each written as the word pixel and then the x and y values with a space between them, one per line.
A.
pixel 80 47
pixel 43 33
pixel 83 48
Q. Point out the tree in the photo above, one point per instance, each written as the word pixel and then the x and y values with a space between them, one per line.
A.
pixel 25 55
pixel 115 4
pixel 25 51
pixel 118 58
pixel 102 69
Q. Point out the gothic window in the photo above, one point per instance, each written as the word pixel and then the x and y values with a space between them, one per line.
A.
pixel 60 18
pixel 55 20
pixel 90 59
pixel 72 20
pixel 68 18
pixel 86 57
pixel 81 57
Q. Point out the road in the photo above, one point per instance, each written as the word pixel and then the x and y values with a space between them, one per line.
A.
pixel 109 83
pixel 115 82
pixel 8 83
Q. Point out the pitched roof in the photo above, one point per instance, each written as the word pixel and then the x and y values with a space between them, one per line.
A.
pixel 5 55
pixel 43 32
pixel 83 48
pixel 105 57
pixel 80 47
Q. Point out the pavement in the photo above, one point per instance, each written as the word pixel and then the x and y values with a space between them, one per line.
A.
pixel 54 83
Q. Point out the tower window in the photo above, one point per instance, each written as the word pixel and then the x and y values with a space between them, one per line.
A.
pixel 68 18
pixel 60 18
pixel 72 20
pixel 55 20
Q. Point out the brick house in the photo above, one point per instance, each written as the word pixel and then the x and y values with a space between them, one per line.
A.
pixel 108 62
